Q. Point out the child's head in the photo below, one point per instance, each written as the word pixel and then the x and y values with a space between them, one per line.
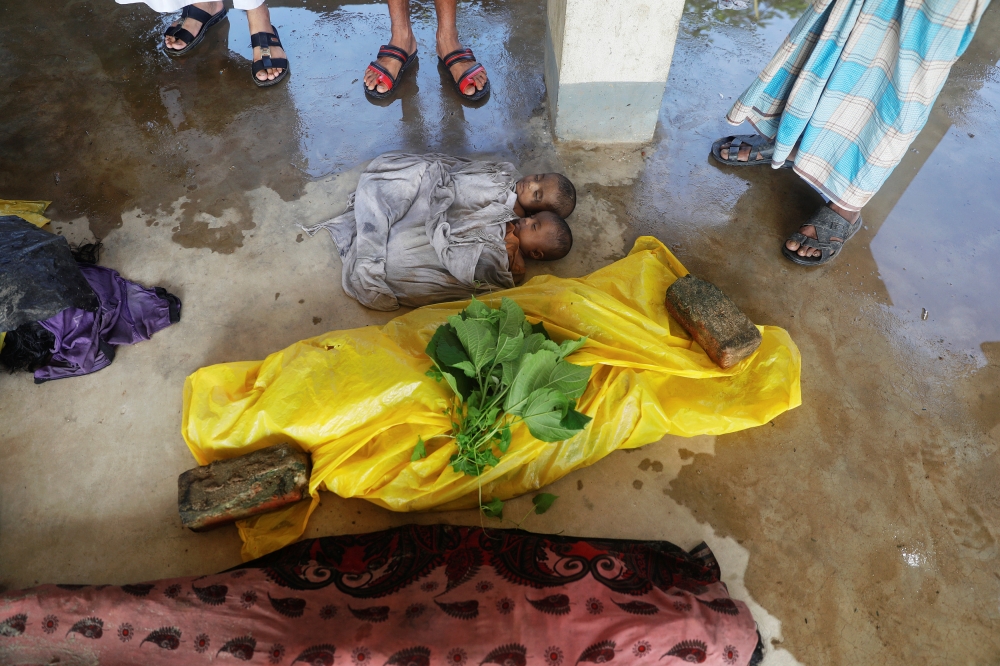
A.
pixel 544 236
pixel 546 191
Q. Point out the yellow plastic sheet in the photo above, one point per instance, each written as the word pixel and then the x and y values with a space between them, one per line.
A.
pixel 26 210
pixel 357 400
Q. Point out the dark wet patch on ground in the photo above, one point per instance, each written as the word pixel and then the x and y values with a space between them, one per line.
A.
pixel 126 127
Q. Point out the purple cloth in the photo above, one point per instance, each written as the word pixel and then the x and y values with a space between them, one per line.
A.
pixel 85 341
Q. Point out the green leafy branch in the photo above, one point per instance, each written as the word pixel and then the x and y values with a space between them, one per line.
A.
pixel 541 503
pixel 503 371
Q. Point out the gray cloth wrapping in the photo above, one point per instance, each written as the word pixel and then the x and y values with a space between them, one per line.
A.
pixel 424 229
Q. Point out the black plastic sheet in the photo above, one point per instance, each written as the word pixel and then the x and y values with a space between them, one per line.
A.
pixel 39 277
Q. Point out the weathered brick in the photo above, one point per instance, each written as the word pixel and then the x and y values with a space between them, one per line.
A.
pixel 714 321
pixel 228 490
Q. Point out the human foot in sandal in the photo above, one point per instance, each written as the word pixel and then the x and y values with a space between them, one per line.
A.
pixel 468 75
pixel 822 237
pixel 382 75
pixel 745 150
pixel 270 64
pixel 188 31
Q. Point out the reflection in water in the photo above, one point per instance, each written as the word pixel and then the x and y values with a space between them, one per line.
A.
pixel 701 17
pixel 330 46
pixel 937 250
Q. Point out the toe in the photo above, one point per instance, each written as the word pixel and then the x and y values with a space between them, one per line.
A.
pixel 792 245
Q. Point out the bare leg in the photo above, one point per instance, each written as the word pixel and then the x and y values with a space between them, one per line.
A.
pixel 447 41
pixel 402 36
pixel 260 21
pixel 192 25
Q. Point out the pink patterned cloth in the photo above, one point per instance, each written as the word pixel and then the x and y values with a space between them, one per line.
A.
pixel 411 596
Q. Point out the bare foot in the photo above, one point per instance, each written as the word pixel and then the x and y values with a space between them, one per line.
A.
pixel 191 25
pixel 260 21
pixel 810 231
pixel 406 41
pixel 446 43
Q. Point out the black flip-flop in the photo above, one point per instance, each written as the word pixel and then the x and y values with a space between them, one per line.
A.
pixel 832 231
pixel 464 55
pixel 191 41
pixel 761 151
pixel 264 41
pixel 382 74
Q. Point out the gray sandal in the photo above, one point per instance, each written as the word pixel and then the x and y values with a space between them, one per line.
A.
pixel 761 151
pixel 832 231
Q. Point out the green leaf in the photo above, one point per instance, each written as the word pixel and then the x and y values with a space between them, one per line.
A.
pixel 465 466
pixel 509 371
pixel 532 343
pixel 570 346
pixel 545 415
pixel 494 508
pixel 568 378
pixel 542 370
pixel 543 502
pixel 467 368
pixel 574 420
pixel 419 451
pixel 509 348
pixel 451 354
pixel 511 318
pixel 450 379
pixel 540 328
pixel 444 348
pixel 476 309
pixel 549 345
pixel 526 328
pixel 479 341
pixel 504 442
pixel 534 371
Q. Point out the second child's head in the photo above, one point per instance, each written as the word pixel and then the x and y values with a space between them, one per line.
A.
pixel 546 191
pixel 543 236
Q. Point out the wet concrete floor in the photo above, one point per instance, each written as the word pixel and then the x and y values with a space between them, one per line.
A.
pixel 862 526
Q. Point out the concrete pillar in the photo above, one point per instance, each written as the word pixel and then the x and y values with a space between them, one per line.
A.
pixel 606 65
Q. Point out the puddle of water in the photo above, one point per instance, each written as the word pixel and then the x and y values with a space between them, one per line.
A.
pixel 936 249
pixel 331 45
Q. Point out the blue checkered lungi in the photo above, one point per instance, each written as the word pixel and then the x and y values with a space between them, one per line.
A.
pixel 853 84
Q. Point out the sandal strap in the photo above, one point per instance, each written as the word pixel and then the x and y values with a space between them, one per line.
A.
pixel 384 77
pixel 460 55
pixel 759 145
pixel 264 39
pixel 193 12
pixel 829 224
pixel 827 250
pixel 469 74
pixel 181 34
pixel 390 51
pixel 269 63
pixel 832 231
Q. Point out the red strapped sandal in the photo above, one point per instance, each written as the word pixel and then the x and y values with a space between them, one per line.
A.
pixel 383 76
pixel 465 55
